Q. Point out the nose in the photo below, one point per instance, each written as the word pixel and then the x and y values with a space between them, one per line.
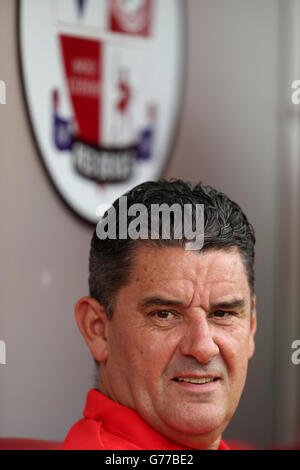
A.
pixel 198 340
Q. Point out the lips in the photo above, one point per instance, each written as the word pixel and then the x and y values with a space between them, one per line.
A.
pixel 195 380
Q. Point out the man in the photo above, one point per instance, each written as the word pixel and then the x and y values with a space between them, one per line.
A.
pixel 171 328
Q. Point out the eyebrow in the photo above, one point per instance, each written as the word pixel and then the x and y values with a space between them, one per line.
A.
pixel 230 304
pixel 152 301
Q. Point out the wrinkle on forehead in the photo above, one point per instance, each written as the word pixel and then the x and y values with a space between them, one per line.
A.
pixel 192 278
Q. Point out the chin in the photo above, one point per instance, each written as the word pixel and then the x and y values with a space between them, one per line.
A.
pixel 204 422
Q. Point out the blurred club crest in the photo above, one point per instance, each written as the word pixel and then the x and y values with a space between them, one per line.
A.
pixel 103 86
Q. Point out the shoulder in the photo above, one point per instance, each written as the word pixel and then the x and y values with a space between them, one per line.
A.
pixel 83 435
pixel 90 434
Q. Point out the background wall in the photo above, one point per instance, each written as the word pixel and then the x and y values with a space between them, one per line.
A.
pixel 230 137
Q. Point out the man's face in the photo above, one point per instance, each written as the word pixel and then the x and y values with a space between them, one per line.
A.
pixel 179 341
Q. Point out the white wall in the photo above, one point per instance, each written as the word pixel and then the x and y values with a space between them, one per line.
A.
pixel 227 137
pixel 229 133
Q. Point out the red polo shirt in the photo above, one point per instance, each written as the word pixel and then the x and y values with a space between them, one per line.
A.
pixel 109 426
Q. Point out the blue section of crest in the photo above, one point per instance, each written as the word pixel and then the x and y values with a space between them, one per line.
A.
pixel 80 6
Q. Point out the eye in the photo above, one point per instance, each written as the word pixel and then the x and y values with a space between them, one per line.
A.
pixel 222 313
pixel 163 314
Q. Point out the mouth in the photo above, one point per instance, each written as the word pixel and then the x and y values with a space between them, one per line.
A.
pixel 196 380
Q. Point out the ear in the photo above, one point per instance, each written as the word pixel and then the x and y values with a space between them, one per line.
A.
pixel 92 322
pixel 253 324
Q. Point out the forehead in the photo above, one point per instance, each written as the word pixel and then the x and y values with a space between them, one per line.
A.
pixel 192 278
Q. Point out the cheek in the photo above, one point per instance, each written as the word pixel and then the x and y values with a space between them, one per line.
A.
pixel 153 349
pixel 234 346
pixel 120 347
pixel 130 349
pixel 153 352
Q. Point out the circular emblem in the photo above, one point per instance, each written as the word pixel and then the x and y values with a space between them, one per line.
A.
pixel 103 84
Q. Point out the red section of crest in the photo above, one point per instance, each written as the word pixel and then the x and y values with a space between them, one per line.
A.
pixel 82 60
pixel 136 22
